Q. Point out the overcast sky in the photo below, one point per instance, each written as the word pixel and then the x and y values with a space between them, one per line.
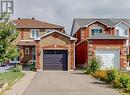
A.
pixel 62 12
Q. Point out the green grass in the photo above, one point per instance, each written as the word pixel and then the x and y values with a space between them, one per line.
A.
pixel 10 76
pixel 126 94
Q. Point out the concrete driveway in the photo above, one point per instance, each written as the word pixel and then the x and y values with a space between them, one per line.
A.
pixel 66 83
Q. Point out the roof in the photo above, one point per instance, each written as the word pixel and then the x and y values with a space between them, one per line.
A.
pixel 55 31
pixel 26 43
pixel 106 36
pixel 78 23
pixel 33 23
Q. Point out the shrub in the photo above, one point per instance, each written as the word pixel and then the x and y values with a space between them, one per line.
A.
pixel 87 70
pixel 124 80
pixel 116 82
pixel 15 70
pixel 128 88
pixel 32 67
pixel 111 74
pixel 93 65
pixel 101 75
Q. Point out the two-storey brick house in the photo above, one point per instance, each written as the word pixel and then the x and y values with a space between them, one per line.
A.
pixel 45 43
pixel 107 39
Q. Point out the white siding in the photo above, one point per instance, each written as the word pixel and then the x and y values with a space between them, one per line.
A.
pixel 122 28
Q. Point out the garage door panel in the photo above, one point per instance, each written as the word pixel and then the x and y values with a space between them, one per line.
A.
pixel 53 56
pixel 109 59
pixel 55 60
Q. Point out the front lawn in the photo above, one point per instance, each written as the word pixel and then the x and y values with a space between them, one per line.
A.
pixel 11 76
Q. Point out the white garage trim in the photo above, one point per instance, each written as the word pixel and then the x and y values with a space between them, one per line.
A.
pixel 107 55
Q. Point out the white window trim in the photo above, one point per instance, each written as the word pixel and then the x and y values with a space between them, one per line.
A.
pixel 123 32
pixel 127 30
pixel 27 49
pixel 97 27
pixel 116 27
pixel 35 32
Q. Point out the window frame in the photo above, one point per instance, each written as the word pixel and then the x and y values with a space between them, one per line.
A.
pixel 96 28
pixel 126 31
pixel 35 33
pixel 27 49
pixel 117 32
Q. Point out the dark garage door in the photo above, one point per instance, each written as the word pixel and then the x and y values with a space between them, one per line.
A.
pixel 55 60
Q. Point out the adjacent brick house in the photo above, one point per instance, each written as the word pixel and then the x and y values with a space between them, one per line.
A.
pixel 107 39
pixel 46 44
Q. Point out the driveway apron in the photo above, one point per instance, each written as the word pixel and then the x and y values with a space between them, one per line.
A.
pixel 67 83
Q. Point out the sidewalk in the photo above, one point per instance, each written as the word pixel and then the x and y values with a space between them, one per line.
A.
pixel 19 87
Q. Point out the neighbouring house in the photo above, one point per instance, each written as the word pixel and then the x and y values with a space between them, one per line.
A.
pixel 106 39
pixel 44 43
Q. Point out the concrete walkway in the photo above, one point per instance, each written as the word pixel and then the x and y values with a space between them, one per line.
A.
pixel 67 83
pixel 19 87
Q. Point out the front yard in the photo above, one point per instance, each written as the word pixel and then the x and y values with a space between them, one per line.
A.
pixel 112 77
pixel 9 78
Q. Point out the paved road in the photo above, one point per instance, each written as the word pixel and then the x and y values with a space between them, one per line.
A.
pixel 66 83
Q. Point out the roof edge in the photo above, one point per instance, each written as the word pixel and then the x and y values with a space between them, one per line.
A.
pixel 71 38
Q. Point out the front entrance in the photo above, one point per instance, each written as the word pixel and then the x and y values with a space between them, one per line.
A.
pixel 55 59
pixel 109 58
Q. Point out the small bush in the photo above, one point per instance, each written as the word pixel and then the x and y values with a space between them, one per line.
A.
pixel 94 65
pixel 111 74
pixel 15 70
pixel 101 75
pixel 87 70
pixel 128 88
pixel 116 82
pixel 32 67
pixel 124 80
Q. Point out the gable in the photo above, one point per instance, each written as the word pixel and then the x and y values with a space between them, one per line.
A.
pixel 53 39
pixel 57 32
pixel 97 25
pixel 97 22
pixel 122 25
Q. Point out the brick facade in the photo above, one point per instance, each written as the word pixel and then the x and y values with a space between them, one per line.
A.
pixel 55 41
pixel 85 49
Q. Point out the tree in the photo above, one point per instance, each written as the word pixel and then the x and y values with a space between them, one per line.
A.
pixel 8 34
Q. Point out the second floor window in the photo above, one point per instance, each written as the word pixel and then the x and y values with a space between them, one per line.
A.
pixel 34 33
pixel 95 31
pixel 126 32
pixel 122 32
pixel 117 32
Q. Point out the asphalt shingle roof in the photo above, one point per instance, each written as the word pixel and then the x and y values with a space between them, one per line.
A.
pixel 84 22
pixel 33 23
pixel 109 22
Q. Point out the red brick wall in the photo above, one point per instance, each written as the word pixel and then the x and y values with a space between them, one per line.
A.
pixel 110 44
pixel 78 36
pixel 38 55
pixel 86 31
pixel 81 53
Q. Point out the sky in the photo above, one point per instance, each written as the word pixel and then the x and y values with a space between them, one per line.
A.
pixel 62 12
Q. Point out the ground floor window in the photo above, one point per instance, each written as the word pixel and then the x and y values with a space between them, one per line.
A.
pixel 26 50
